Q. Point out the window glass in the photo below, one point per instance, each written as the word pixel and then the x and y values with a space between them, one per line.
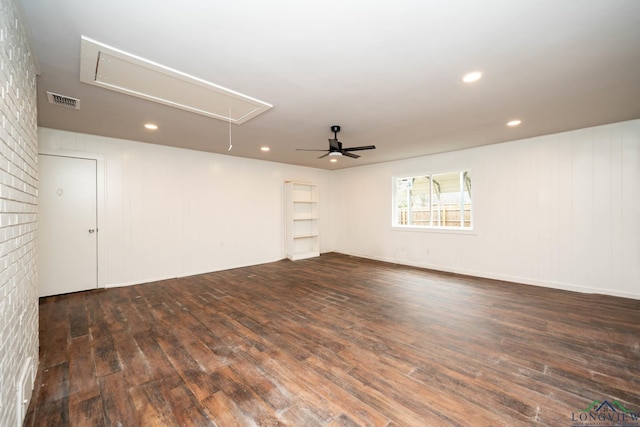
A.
pixel 438 200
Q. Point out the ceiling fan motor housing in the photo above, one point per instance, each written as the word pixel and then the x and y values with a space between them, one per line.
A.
pixel 335 147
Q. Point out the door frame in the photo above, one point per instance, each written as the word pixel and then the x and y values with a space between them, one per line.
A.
pixel 101 235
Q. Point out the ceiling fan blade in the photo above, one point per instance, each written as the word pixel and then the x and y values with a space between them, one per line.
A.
pixel 334 144
pixel 306 149
pixel 364 147
pixel 344 153
pixel 323 156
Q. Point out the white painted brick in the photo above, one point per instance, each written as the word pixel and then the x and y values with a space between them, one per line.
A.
pixel 18 207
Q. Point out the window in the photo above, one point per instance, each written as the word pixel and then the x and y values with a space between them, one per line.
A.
pixel 435 201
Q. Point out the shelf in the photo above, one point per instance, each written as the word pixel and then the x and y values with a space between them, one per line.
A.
pixel 301 220
pixel 304 193
pixel 304 255
pixel 304 236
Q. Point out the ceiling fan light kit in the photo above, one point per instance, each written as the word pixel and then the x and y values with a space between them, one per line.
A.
pixel 335 147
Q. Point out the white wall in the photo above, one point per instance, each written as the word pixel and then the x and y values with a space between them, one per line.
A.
pixel 171 212
pixel 18 206
pixel 560 210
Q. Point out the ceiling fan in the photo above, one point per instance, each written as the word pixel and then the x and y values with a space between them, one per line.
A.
pixel 335 146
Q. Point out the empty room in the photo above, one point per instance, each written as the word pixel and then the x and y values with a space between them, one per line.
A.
pixel 336 213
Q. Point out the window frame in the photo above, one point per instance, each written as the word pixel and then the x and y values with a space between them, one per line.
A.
pixel 431 228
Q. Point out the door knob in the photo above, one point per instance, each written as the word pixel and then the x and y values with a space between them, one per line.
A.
pixel 91 231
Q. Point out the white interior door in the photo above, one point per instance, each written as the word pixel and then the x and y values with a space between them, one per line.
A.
pixel 67 225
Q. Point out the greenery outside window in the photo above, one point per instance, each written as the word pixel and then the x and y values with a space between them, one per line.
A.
pixel 433 201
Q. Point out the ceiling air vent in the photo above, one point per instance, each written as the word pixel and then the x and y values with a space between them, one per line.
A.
pixel 63 101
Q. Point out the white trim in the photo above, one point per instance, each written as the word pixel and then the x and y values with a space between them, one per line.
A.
pixel 505 277
pixel 196 273
pixel 97 58
pixel 429 229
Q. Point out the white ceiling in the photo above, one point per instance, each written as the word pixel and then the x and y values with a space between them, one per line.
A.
pixel 388 72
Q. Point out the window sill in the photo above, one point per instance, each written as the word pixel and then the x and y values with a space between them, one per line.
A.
pixel 447 230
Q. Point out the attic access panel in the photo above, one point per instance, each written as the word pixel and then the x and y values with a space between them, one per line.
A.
pixel 113 69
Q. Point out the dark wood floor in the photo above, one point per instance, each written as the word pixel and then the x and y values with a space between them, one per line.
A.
pixel 332 341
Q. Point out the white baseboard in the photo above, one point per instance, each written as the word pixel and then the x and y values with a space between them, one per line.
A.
pixel 507 278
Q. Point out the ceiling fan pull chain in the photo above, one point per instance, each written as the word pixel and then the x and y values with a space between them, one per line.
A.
pixel 230 145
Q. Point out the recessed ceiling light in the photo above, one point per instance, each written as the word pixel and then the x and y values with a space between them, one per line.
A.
pixel 471 77
pixel 151 126
pixel 265 148
pixel 333 160
pixel 513 123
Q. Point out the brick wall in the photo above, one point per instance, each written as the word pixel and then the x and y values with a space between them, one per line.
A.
pixel 18 206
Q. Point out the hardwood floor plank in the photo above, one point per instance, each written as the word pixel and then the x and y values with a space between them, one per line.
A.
pixel 78 320
pixel 184 406
pixel 179 357
pixel 246 400
pixel 116 401
pixel 260 384
pixel 155 360
pixel 83 382
pixel 367 407
pixel 207 360
pixel 54 338
pixel 222 411
pixel 106 356
pixel 300 415
pixel 327 396
pixel 55 383
pixel 343 421
pixel 133 361
pixel 304 387
pixel 52 413
pixel 332 341
pixel 50 401
pixel 151 408
pixel 86 413
pixel 201 384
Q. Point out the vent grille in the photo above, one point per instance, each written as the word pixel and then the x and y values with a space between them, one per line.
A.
pixel 63 101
